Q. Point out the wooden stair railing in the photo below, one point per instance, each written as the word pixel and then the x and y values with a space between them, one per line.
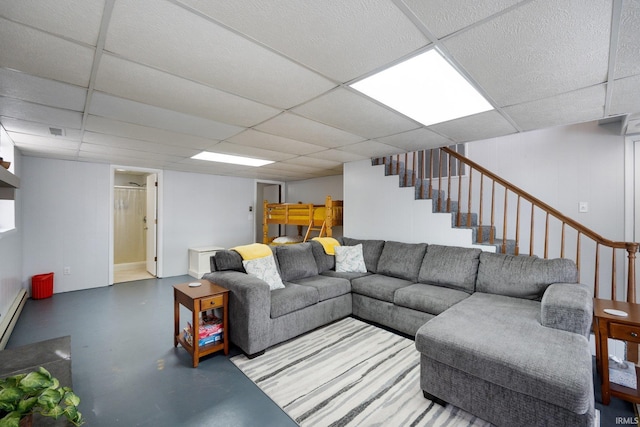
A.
pixel 429 169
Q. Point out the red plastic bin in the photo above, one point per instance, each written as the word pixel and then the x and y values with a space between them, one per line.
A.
pixel 42 286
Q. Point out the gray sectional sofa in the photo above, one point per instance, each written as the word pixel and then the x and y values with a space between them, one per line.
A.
pixel 502 337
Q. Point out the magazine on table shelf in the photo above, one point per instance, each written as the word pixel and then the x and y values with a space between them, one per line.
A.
pixel 209 331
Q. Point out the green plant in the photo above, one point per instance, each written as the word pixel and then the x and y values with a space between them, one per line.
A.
pixel 36 392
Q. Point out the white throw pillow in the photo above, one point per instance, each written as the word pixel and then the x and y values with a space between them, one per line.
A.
pixel 349 259
pixel 264 268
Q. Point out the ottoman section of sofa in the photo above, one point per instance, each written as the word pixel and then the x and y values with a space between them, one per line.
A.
pixel 500 340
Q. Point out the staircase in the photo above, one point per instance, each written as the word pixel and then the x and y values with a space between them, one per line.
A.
pixel 496 211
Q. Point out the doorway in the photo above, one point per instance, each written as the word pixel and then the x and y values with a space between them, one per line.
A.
pixel 134 225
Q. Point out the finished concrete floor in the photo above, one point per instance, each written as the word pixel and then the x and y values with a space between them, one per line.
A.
pixel 127 371
pixel 124 365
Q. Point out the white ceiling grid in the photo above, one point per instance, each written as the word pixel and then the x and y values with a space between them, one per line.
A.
pixel 149 83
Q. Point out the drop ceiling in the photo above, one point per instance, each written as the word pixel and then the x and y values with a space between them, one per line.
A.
pixel 150 83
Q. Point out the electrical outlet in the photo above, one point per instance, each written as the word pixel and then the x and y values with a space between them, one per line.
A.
pixel 66 271
pixel 583 207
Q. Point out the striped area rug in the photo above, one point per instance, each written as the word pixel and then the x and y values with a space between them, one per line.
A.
pixel 349 373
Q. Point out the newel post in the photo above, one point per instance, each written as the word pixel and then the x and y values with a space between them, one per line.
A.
pixel 632 248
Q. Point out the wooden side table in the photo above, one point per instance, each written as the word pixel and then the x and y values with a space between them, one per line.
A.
pixel 197 299
pixel 625 328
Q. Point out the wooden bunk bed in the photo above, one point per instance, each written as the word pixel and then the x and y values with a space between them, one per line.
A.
pixel 321 218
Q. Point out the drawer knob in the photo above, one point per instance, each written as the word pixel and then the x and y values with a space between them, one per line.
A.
pixel 634 334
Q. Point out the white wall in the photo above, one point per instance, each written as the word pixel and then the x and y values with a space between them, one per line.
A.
pixel 11 280
pixel 315 190
pixel 66 219
pixel 204 210
pixel 377 208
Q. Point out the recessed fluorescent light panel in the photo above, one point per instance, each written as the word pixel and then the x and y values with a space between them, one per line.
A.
pixel 426 88
pixel 227 158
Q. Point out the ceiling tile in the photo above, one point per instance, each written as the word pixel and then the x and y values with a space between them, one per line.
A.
pixel 443 17
pixel 170 38
pixel 573 107
pixel 626 96
pixel 370 149
pixel 136 144
pixel 145 133
pixel 28 111
pixel 34 52
pixel 77 20
pixel 296 127
pixel 418 139
pixel 99 149
pixel 147 115
pixel 253 138
pixel 41 91
pixel 340 39
pixel 476 127
pixel 242 150
pixel 337 156
pixel 43 142
pixel 354 113
pixel 534 51
pixel 313 163
pixel 139 83
pixel 38 129
pixel 627 63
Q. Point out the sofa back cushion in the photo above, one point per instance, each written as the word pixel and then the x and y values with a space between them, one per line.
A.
pixel 522 276
pixel 371 250
pixel 225 260
pixel 296 261
pixel 450 266
pixel 402 260
pixel 324 261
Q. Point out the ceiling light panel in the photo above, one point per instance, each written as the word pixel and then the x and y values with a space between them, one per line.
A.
pixel 228 158
pixel 426 88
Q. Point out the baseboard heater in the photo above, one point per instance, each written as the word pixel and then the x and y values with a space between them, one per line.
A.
pixel 9 321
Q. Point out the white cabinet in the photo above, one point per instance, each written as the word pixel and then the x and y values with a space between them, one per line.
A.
pixel 199 260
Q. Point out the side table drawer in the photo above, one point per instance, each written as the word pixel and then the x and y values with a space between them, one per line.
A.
pixel 625 332
pixel 213 302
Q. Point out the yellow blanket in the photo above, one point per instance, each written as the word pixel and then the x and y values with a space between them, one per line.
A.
pixel 328 243
pixel 253 251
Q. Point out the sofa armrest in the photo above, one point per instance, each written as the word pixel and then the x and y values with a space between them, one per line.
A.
pixel 569 307
pixel 249 309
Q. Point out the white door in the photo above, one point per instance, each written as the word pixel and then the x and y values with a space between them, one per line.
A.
pixel 152 223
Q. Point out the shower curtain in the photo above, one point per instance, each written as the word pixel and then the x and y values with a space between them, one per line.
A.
pixel 129 225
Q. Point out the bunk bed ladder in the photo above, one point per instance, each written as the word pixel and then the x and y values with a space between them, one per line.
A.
pixel 311 228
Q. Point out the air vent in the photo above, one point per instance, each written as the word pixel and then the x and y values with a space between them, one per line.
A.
pixel 56 131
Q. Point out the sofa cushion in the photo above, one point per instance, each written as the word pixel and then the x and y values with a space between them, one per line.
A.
pixel 402 260
pixel 348 276
pixel 296 261
pixel 450 266
pixel 327 287
pixel 324 261
pixel 500 340
pixel 349 259
pixel 226 260
pixel 378 286
pixel 291 298
pixel 371 250
pixel 522 276
pixel 428 298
